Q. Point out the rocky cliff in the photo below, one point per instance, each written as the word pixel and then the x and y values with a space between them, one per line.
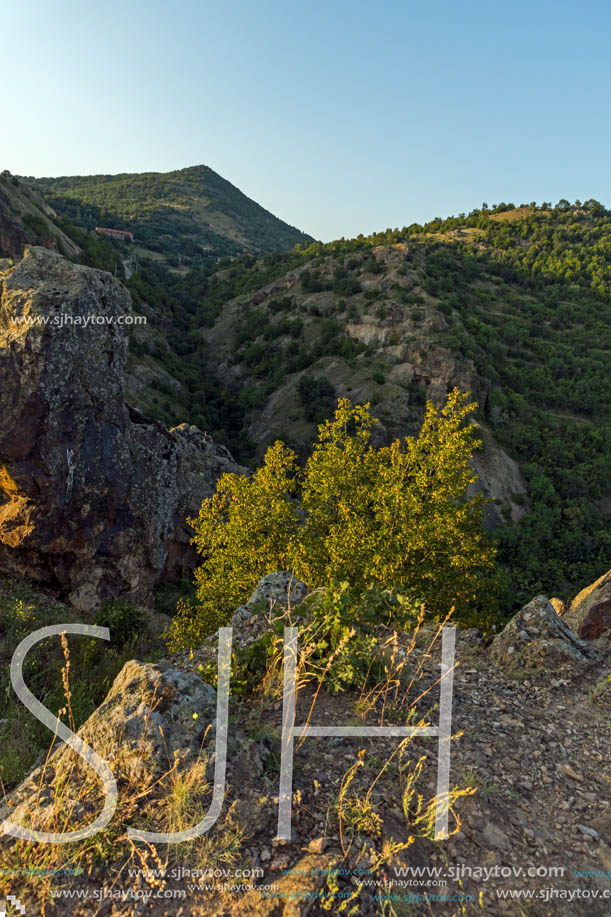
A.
pixel 93 495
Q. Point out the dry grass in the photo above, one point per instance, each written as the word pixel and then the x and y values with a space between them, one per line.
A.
pixel 173 801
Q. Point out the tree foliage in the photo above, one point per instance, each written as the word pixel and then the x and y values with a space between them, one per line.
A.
pixel 390 516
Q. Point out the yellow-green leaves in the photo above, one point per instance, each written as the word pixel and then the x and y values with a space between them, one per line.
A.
pixel 393 516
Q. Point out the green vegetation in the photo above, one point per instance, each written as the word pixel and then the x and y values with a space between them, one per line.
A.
pixel 189 214
pixel 355 514
pixel 525 297
pixel 317 396
pixel 94 665
pixel 520 294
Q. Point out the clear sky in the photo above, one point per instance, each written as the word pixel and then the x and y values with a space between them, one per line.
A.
pixel 340 117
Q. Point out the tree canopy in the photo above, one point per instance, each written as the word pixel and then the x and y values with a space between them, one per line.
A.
pixel 355 513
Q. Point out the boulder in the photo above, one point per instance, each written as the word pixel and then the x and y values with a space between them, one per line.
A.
pixel 93 495
pixel 590 612
pixel 155 717
pixel 537 637
pixel 150 712
pixel 281 588
pixel 145 718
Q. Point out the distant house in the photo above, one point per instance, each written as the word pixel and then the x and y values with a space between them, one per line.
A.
pixel 116 233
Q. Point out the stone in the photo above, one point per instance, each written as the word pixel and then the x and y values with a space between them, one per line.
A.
pixel 279 588
pixel 93 495
pixel 589 832
pixel 569 771
pixel 146 717
pixel 494 837
pixel 537 637
pixel 274 591
pixel 590 612
pixel 253 815
pixel 317 845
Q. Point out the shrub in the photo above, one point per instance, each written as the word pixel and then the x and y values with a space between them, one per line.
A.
pixel 125 622
pixel 390 516
pixel 341 634
pixel 346 286
pixel 317 395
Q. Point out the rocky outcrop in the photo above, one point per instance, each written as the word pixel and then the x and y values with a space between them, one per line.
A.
pixel 498 478
pixel 536 637
pixel 154 718
pixel 280 589
pixel 590 612
pixel 93 495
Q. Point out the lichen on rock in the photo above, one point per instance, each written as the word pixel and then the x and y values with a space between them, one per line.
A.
pixel 93 495
pixel 537 637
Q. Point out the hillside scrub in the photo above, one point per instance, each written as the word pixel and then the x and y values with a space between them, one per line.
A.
pixel 395 516
pixel 519 294
pixel 173 212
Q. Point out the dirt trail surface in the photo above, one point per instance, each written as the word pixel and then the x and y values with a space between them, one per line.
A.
pixel 537 748
pixel 531 716
pixel 538 751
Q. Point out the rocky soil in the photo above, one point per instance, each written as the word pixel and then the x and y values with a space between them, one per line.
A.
pixel 531 720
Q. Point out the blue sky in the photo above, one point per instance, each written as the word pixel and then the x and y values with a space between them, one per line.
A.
pixel 339 117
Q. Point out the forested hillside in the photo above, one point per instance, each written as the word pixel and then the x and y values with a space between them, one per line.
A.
pixel 512 303
pixel 182 217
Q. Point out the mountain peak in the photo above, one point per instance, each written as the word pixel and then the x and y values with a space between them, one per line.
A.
pixel 183 214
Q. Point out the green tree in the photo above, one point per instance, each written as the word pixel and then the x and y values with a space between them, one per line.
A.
pixel 393 516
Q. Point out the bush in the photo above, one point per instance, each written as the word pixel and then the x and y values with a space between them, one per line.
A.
pixel 391 516
pixel 342 633
pixel 317 396
pixel 346 286
pixel 125 622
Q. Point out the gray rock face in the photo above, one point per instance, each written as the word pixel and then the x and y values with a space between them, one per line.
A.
pixel 500 480
pixel 590 612
pixel 280 588
pixel 537 637
pixel 154 718
pixel 93 495
pixel 148 714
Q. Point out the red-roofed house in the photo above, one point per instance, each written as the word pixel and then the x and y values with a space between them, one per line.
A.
pixel 116 233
